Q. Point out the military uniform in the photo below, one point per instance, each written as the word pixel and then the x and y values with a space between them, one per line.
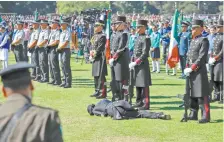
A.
pixel 18 48
pixel 99 66
pixel 42 51
pixel 142 76
pixel 65 55
pixel 4 47
pixel 53 57
pixel 217 65
pixel 196 62
pixel 22 121
pixel 183 46
pixel 121 109
pixel 34 53
pixel 119 61
pixel 165 41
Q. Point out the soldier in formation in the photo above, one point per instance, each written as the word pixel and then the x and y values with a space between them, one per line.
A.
pixel 98 58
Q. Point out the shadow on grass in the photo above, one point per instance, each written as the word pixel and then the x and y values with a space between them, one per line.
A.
pixel 162 97
pixel 80 69
pixel 171 108
pixel 168 103
pixel 215 107
pixel 168 84
pixel 217 121
pixel 78 82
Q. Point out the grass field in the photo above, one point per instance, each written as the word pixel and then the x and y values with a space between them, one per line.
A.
pixel 79 126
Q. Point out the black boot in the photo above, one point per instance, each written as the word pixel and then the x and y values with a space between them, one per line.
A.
pixel 205 118
pixel 216 92
pixel 97 93
pixel 193 115
pixel 145 98
pixel 103 93
pixel 138 104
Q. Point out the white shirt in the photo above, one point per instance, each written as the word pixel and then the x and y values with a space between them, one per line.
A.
pixel 43 36
pixel 19 35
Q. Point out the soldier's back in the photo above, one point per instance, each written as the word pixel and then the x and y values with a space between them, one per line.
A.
pixel 36 124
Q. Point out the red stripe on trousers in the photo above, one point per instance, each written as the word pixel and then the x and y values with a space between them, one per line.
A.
pixel 103 89
pixel 147 100
pixel 207 109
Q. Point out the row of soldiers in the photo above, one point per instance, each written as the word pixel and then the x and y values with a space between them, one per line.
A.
pixel 46 48
pixel 128 72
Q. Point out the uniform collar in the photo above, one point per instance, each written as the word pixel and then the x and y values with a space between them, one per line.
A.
pixel 13 103
pixel 198 36
pixel 53 30
pixel 99 32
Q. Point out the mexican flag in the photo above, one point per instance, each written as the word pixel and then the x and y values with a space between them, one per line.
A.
pixel 173 55
pixel 108 55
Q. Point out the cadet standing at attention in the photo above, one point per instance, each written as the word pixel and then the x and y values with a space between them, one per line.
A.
pixel 120 59
pixel 197 72
pixel 97 56
pixel 140 64
pixel 22 121
pixel 18 41
pixel 53 57
pixel 64 49
pixel 42 51
pixel 216 62
pixel 32 48
pixel 184 44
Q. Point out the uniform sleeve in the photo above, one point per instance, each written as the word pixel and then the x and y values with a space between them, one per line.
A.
pixel 217 57
pixel 57 36
pixel 67 36
pixel 121 46
pixel 36 36
pixel 54 131
pixel 21 35
pixel 6 38
pixel 100 46
pixel 145 51
pixel 203 52
pixel 46 35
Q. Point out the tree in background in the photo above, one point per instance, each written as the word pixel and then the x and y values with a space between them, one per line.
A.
pixel 69 7
pixel 27 7
pixel 146 7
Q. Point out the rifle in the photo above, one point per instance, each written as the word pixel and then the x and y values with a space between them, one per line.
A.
pixel 211 82
pixel 131 83
pixel 186 99
pixel 113 87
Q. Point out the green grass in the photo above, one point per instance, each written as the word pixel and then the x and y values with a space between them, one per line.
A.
pixel 78 125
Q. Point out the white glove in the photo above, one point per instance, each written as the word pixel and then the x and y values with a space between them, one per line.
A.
pixel 111 62
pixel 91 58
pixel 211 61
pixel 187 71
pixel 132 65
